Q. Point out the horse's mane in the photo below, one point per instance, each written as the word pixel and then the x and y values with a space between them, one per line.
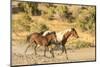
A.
pixel 46 33
pixel 41 33
pixel 51 33
pixel 64 31
pixel 73 29
pixel 61 33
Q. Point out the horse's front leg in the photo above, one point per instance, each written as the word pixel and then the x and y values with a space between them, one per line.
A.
pixel 64 50
pixel 62 47
pixel 45 50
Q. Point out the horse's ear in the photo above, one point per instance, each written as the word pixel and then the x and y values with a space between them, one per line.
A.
pixel 54 32
pixel 72 29
pixel 41 32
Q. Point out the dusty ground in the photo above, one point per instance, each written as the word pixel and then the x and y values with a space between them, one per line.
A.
pixel 19 57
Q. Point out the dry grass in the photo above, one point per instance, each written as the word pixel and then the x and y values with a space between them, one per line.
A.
pixel 19 58
pixel 85 53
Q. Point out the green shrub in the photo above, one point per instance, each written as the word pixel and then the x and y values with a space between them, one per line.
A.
pixel 38 27
pixel 29 8
pixel 87 19
pixel 21 24
pixel 84 16
pixel 82 44
pixel 43 27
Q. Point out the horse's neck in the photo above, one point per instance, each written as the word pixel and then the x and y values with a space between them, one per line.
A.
pixel 47 37
pixel 69 34
pixel 64 40
pixel 60 34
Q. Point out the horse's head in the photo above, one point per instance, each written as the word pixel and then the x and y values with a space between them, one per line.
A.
pixel 52 36
pixel 71 32
pixel 74 33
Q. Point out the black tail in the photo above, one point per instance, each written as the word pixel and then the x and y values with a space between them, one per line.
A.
pixel 28 38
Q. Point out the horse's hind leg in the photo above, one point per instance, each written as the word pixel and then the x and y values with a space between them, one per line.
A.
pixel 35 49
pixel 27 48
pixel 45 51
pixel 63 49
pixel 52 52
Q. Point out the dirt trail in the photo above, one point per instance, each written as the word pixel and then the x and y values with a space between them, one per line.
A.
pixel 19 58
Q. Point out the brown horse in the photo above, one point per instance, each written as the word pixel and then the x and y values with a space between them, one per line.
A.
pixel 73 33
pixel 38 40
pixel 35 35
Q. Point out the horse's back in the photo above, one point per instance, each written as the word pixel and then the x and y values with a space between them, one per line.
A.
pixel 32 36
pixel 46 32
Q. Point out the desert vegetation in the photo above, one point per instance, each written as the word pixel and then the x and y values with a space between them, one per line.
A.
pixel 29 17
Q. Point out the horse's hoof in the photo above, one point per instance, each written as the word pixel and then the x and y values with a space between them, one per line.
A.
pixel 67 58
pixel 59 54
pixel 35 53
pixel 32 54
pixel 52 57
pixel 46 57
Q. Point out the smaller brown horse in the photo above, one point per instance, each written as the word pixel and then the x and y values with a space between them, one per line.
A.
pixel 37 40
pixel 65 38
